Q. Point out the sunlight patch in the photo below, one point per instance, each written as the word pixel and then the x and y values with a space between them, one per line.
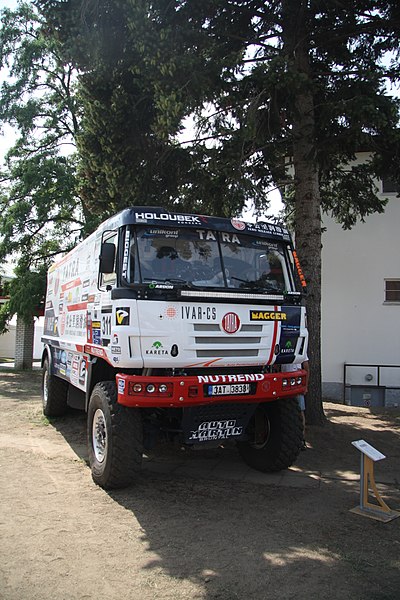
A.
pixel 280 559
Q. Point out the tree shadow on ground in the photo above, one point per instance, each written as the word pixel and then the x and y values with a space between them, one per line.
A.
pixel 240 540
pixel 20 385
pixel 237 539
pixel 332 450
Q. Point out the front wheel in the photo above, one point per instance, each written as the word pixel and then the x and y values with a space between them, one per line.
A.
pixel 275 435
pixel 115 438
pixel 54 392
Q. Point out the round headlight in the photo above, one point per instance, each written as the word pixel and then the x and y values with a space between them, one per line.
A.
pixel 162 388
pixel 150 388
pixel 137 387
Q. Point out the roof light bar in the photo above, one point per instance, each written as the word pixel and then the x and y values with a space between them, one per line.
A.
pixel 231 295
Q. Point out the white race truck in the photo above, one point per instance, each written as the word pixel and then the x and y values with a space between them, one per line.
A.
pixel 168 324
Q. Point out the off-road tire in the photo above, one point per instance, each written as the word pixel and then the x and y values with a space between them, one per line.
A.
pixel 282 438
pixel 114 437
pixel 54 393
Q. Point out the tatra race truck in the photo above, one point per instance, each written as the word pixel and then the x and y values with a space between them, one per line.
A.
pixel 164 324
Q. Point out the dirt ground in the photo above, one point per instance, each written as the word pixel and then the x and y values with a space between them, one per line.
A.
pixel 199 527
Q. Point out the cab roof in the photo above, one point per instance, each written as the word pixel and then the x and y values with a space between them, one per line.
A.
pixel 158 216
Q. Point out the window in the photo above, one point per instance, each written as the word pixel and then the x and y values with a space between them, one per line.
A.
pixel 206 258
pixel 392 290
pixel 389 186
pixel 109 279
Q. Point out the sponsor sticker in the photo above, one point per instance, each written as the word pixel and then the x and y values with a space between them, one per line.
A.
pixel 233 378
pixel 166 217
pixel 82 371
pixel 267 315
pixel 170 312
pixel 167 233
pixel 238 224
pixel 216 430
pixel 161 286
pixel 198 313
pixel 96 335
pixel 157 349
pixel 126 254
pixel 122 316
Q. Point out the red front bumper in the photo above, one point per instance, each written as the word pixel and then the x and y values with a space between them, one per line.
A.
pixel 141 391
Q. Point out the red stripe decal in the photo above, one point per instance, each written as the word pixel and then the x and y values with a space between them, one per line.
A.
pixel 77 306
pixel 71 284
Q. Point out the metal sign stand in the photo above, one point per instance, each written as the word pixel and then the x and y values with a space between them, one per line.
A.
pixel 380 511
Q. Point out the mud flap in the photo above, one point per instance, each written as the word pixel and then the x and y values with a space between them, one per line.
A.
pixel 216 422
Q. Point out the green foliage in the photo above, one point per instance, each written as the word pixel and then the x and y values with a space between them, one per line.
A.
pixel 135 99
pixel 41 214
pixel 357 192
pixel 38 208
pixel 148 65
pixel 27 292
pixel 5 317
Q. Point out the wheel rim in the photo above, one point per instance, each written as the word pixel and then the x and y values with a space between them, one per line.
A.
pixel 99 436
pixel 45 386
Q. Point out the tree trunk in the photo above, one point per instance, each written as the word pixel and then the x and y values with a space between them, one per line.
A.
pixel 308 246
pixel 308 235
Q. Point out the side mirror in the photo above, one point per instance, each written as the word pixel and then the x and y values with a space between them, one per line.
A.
pixel 107 258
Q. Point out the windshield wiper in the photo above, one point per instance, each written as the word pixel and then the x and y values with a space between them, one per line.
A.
pixel 257 286
pixel 251 285
pixel 171 280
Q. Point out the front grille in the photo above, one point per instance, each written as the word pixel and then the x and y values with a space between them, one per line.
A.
pixel 210 327
pixel 227 341
pixel 206 327
pixel 236 353
pixel 211 341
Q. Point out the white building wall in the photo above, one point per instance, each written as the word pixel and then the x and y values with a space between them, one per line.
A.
pixel 7 343
pixel 7 340
pixel 357 325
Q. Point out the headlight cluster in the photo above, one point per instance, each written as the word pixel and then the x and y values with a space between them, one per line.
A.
pixel 292 382
pixel 149 389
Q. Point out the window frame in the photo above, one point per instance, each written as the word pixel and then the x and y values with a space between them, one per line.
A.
pixel 390 186
pixel 395 291
pixel 109 280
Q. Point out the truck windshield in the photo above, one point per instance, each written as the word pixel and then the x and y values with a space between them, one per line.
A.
pixel 205 258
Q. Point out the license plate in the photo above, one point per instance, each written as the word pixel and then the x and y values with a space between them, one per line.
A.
pixel 229 390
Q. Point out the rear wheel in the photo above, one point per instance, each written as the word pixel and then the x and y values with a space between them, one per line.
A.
pixel 54 392
pixel 115 438
pixel 275 436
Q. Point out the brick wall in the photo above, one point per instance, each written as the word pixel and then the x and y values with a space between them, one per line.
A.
pixel 24 344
